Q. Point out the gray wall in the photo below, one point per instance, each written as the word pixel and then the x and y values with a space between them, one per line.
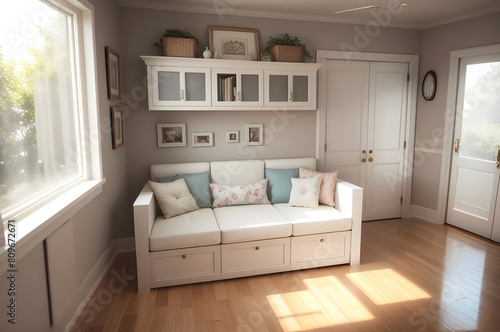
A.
pixel 437 43
pixel 142 27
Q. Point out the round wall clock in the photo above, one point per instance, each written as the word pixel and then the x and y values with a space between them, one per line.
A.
pixel 429 85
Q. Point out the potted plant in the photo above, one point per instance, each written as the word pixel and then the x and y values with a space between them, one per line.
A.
pixel 177 42
pixel 265 56
pixel 287 48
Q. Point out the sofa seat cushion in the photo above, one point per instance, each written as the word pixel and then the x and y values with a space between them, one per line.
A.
pixel 323 219
pixel 251 222
pixel 192 229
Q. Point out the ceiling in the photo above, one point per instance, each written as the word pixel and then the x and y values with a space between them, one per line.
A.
pixel 417 14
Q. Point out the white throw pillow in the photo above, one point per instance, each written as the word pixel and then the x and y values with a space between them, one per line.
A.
pixel 173 198
pixel 305 191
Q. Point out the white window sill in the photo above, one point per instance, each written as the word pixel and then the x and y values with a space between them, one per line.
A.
pixel 34 228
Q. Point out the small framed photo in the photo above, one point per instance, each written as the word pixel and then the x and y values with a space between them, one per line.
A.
pixel 171 135
pixel 232 136
pixel 203 139
pixel 234 43
pixel 113 73
pixel 254 133
pixel 117 132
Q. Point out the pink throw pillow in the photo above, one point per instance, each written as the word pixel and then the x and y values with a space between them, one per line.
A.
pixel 327 188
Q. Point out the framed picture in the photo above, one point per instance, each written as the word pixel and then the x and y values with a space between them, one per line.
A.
pixel 232 136
pixel 234 43
pixel 113 73
pixel 203 139
pixel 171 135
pixel 117 132
pixel 254 133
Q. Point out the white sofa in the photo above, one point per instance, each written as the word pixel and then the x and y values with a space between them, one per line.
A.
pixel 236 241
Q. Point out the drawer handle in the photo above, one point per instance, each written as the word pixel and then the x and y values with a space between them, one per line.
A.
pixel 184 256
pixel 322 240
pixel 257 248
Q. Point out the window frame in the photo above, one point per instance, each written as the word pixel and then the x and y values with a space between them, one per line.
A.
pixel 36 219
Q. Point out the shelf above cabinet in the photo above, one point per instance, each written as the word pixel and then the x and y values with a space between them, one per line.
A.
pixel 196 84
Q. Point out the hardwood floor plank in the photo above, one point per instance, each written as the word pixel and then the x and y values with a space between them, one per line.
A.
pixel 414 276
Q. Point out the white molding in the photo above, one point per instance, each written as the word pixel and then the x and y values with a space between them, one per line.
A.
pixel 424 213
pixel 321 57
pixel 449 123
pixel 89 285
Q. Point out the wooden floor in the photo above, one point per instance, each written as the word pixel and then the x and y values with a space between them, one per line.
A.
pixel 414 276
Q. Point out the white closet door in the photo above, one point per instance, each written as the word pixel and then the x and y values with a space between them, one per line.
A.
pixel 347 119
pixel 386 135
pixel 365 130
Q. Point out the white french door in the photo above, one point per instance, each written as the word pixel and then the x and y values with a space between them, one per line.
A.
pixel 365 130
pixel 474 180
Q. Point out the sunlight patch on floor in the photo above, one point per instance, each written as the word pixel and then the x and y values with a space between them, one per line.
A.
pixel 326 298
pixel 387 286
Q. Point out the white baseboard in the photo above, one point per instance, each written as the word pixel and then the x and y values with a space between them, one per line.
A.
pixel 90 284
pixel 424 213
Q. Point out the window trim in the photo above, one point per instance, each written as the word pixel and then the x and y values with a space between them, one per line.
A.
pixel 35 224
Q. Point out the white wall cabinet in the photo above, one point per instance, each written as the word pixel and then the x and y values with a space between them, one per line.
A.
pixel 237 88
pixel 290 89
pixel 194 84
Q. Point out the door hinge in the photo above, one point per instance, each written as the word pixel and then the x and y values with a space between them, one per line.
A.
pixel 326 147
pixel 404 147
pixel 408 77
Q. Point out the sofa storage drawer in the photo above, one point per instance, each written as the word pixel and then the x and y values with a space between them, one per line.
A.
pixel 190 264
pixel 256 256
pixel 320 250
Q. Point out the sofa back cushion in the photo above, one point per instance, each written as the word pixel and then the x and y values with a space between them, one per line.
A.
pixel 236 173
pixel 163 170
pixel 290 163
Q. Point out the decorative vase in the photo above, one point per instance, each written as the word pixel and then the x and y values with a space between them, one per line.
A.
pixel 207 54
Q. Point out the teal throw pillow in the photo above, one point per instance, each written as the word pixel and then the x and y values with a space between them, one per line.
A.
pixel 280 184
pixel 198 184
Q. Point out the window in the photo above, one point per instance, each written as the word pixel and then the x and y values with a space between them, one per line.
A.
pixel 47 102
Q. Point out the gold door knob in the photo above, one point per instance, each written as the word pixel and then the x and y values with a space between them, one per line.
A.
pixel 370 159
pixel 322 240
pixel 257 248
pixel 363 160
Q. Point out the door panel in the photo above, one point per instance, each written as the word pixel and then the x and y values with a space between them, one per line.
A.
pixel 474 179
pixel 347 119
pixel 386 129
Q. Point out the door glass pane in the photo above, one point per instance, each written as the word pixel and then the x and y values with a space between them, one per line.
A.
pixel 195 86
pixel 278 87
pixel 249 87
pixel 481 112
pixel 300 88
pixel 169 85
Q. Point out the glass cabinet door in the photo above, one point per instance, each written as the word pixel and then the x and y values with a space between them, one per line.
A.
pixel 288 89
pixel 173 87
pixel 237 88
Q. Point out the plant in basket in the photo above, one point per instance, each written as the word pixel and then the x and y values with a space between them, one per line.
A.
pixel 177 42
pixel 286 48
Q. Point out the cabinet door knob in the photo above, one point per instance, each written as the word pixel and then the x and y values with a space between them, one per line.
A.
pixel 370 159
pixel 291 96
pixel 322 240
pixel 257 248
pixel 182 94
pixel 184 256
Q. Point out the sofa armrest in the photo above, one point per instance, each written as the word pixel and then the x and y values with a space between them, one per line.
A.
pixel 144 218
pixel 349 200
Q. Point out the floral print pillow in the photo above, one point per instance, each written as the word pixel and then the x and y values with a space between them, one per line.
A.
pixel 238 195
pixel 327 188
